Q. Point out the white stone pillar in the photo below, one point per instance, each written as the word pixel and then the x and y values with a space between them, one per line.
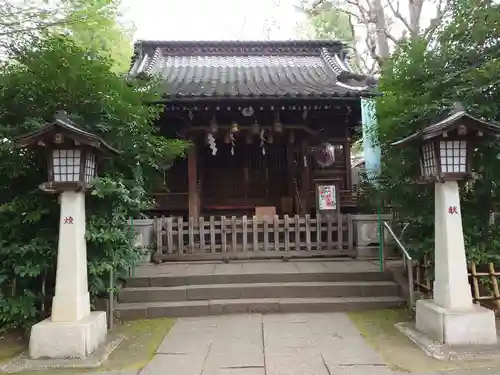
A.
pixel 451 318
pixel 451 285
pixel 71 301
pixel 72 331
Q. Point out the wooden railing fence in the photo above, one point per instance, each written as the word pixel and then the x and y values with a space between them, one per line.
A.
pixel 484 280
pixel 249 237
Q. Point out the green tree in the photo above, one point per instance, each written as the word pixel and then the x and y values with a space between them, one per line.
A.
pixel 104 31
pixel 96 25
pixel 326 22
pixel 56 73
pixel 420 83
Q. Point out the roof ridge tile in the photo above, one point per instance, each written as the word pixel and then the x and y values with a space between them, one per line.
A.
pixel 280 69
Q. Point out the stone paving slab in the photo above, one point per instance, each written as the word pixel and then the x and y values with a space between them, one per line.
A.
pixel 351 266
pixel 172 364
pixel 335 325
pixel 361 370
pixel 486 370
pixel 185 346
pixel 297 361
pixel 279 336
pixel 272 267
pixel 228 269
pixel 186 343
pixel 235 356
pixel 309 267
pixel 235 371
pixel 348 352
pixel 255 267
pixel 274 344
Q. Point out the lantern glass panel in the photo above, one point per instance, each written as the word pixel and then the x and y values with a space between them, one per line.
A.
pixel 453 156
pixel 66 165
pixel 90 168
pixel 429 159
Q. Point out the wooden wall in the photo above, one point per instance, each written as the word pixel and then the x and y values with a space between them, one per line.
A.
pixel 241 180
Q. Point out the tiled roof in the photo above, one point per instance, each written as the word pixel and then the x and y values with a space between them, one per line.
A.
pixel 250 69
pixel 457 116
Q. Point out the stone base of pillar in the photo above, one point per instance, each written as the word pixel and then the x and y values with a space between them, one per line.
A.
pixel 77 339
pixel 474 326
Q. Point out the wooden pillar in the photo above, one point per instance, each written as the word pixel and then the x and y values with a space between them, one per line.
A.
pixel 267 160
pixel 348 173
pixel 290 170
pixel 304 178
pixel 246 166
pixel 193 198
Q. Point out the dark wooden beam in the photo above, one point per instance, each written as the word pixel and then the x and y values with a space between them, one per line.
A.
pixel 305 177
pixel 242 128
pixel 278 99
pixel 193 197
pixel 290 170
pixel 347 154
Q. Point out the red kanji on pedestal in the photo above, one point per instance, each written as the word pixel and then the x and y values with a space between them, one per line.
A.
pixel 68 220
pixel 452 210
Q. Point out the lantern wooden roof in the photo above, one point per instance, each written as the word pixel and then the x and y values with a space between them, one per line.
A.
pixel 253 69
pixel 63 125
pixel 458 119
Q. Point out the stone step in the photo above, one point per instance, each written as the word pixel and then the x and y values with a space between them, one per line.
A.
pixel 259 290
pixel 140 310
pixel 278 277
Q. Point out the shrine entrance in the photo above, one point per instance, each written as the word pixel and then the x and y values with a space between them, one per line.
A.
pixel 243 174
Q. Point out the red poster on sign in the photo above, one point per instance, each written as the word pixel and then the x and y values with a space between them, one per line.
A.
pixel 327 198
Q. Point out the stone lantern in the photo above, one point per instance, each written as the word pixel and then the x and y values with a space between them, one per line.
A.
pixel 72 331
pixel 446 149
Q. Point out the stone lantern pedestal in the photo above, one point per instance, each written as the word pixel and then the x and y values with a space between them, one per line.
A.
pixel 72 330
pixel 451 317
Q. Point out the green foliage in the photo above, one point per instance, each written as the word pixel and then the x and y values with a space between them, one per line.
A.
pixel 332 23
pixel 16 311
pixel 93 23
pixel 40 78
pixel 419 83
pixel 101 30
pixel 328 21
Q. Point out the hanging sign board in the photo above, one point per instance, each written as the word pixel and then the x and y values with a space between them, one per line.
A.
pixel 327 197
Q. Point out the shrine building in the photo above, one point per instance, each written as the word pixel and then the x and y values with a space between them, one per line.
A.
pixel 256 114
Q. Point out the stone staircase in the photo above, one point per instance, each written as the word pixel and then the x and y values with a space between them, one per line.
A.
pixel 262 291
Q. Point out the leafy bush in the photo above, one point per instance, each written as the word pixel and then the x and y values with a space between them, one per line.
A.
pixel 40 78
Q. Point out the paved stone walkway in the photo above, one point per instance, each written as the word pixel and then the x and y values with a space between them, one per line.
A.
pixel 281 344
pixel 254 344
pixel 319 344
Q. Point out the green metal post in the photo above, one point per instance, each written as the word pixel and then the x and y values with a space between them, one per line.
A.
pixel 111 299
pixel 131 272
pixel 380 234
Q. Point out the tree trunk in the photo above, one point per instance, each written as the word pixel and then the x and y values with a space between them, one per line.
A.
pixel 380 26
pixel 415 11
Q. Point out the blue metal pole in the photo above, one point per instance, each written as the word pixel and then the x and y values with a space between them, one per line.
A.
pixel 371 154
pixel 380 233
